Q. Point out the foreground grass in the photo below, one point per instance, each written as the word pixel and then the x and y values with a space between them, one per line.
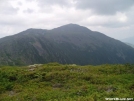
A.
pixel 56 82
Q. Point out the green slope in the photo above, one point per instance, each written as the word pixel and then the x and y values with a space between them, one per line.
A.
pixel 56 82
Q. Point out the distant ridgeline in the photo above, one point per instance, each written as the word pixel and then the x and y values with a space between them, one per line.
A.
pixel 129 40
pixel 68 44
pixel 132 45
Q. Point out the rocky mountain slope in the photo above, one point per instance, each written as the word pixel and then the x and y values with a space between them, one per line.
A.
pixel 68 44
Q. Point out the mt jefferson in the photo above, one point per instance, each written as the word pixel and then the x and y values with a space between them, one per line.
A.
pixel 68 44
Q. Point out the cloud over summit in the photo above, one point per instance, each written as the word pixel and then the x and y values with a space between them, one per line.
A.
pixel 112 17
pixel 105 7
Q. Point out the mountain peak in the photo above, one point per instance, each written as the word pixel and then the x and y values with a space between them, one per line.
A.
pixel 71 28
pixel 72 24
pixel 68 44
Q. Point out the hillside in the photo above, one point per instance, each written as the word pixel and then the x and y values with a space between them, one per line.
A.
pixel 66 44
pixel 57 82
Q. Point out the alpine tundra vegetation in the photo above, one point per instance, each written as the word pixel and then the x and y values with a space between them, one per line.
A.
pixel 69 82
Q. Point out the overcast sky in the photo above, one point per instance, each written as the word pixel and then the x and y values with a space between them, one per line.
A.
pixel 115 18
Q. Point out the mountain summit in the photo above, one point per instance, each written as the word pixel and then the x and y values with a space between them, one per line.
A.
pixel 68 44
pixel 71 27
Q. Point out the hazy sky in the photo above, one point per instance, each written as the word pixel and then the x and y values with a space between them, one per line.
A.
pixel 114 18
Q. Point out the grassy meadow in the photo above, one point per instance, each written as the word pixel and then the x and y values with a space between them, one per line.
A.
pixel 57 82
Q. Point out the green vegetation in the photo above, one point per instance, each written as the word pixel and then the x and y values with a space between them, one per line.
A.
pixel 57 82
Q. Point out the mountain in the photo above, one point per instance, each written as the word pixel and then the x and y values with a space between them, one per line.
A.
pixel 128 40
pixel 132 45
pixel 68 44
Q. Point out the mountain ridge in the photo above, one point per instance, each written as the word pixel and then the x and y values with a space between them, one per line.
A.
pixel 68 44
pixel 128 40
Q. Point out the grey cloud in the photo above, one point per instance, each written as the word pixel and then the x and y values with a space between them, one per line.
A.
pixel 43 3
pixel 20 3
pixel 47 5
pixel 130 16
pixel 107 7
pixel 115 25
pixel 79 11
pixel 9 11
pixel 28 10
pixel 6 8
